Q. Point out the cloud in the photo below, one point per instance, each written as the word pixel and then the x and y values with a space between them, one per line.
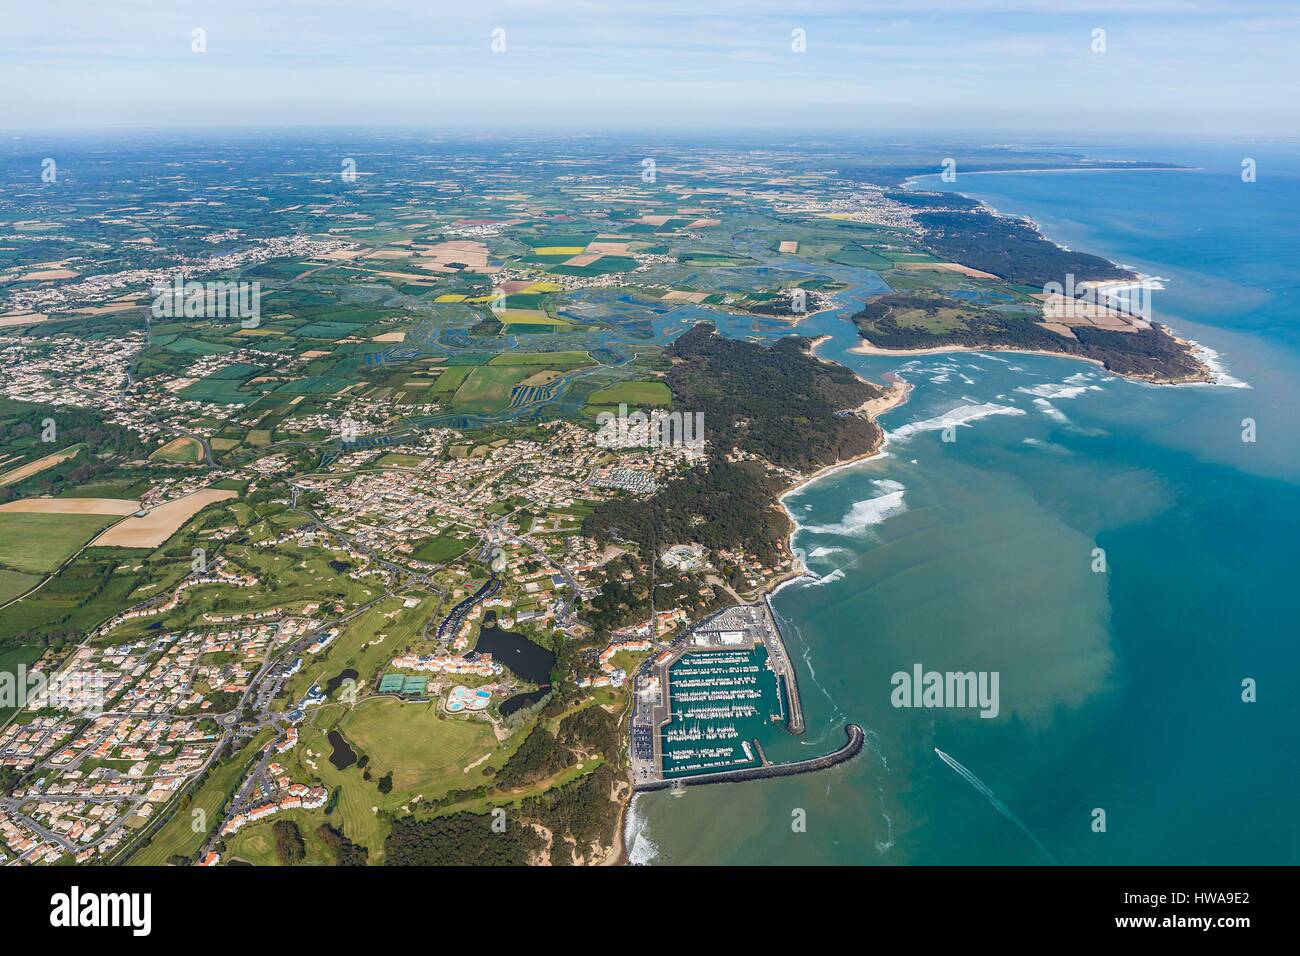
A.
pixel 917 63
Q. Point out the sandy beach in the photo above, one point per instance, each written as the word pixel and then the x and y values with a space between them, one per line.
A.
pixel 866 348
pixel 895 394
pixel 617 855
pixel 1205 377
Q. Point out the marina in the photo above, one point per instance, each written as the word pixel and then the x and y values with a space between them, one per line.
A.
pixel 721 702
pixel 706 704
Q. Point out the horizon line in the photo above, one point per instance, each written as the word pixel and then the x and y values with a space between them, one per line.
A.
pixel 1062 135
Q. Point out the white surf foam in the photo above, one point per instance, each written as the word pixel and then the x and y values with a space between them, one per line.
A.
pixel 1218 373
pixel 641 849
pixel 825 552
pixel 1066 389
pixel 1045 445
pixel 1051 411
pixel 792 582
pixel 815 582
pixel 865 514
pixel 961 415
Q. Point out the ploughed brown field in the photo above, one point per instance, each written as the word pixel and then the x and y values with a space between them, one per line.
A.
pixel 37 466
pixel 73 506
pixel 161 523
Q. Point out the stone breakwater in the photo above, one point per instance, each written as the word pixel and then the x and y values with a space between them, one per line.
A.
pixel 784 668
pixel 856 738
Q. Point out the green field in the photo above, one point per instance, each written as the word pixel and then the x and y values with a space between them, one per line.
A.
pixel 189 346
pixel 41 542
pixel 450 380
pixel 560 239
pixel 255 844
pixel 632 393
pixel 222 391
pixel 240 371
pixel 426 752
pixel 560 360
pixel 328 330
pixel 358 648
pixel 126 487
pixel 440 548
pixel 943 319
pixel 182 450
pixel 396 460
pixel 488 388
pixel 290 576
pixel 605 265
pixel 91 589
pixel 534 319
pixel 356 797
pixel 854 255
pixel 315 385
pixel 10 658
pixel 14 583
pixel 420 747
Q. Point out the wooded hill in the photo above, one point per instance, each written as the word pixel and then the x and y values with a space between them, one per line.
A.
pixel 778 403
pixel 1151 353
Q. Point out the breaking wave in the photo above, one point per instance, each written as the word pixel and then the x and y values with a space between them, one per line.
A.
pixel 1213 361
pixel 826 552
pixel 828 578
pixel 961 415
pixel 1072 387
pixel 1051 411
pixel 865 514
pixel 641 850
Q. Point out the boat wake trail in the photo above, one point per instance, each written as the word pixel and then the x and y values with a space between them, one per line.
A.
pixel 992 798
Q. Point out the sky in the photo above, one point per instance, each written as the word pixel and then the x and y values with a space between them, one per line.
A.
pixel 1200 67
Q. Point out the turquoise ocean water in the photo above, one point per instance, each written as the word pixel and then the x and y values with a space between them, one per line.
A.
pixel 1119 691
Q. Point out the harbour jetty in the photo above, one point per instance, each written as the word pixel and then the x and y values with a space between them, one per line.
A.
pixel 706 703
pixel 851 748
pixel 781 663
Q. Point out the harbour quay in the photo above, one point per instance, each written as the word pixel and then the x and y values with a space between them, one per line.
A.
pixel 705 704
